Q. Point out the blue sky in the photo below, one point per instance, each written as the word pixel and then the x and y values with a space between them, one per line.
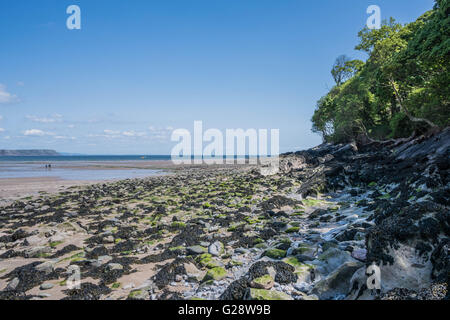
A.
pixel 138 69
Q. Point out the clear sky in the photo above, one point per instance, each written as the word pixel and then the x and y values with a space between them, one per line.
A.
pixel 139 68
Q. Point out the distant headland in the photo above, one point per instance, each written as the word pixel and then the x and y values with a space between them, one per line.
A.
pixel 34 152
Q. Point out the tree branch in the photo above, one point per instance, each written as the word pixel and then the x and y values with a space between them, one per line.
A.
pixel 405 110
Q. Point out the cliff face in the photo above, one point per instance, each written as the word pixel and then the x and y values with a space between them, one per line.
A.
pixel 22 153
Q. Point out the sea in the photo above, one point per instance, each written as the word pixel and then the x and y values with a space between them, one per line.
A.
pixel 79 167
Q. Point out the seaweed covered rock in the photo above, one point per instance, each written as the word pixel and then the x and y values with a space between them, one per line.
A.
pixel 262 294
pixel 259 275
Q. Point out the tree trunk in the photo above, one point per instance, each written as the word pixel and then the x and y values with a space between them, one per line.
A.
pixel 405 110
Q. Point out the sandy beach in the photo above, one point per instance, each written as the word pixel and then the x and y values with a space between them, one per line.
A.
pixel 12 189
pixel 19 188
pixel 31 187
pixel 304 232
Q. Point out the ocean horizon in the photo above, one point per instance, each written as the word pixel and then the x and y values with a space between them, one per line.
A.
pixel 84 167
pixel 84 158
pixel 66 158
pixel 78 167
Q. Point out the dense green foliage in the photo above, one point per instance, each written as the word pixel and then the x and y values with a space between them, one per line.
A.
pixel 402 87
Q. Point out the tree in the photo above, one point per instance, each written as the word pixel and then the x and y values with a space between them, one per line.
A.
pixel 344 69
pixel 402 88
pixel 370 37
pixel 394 87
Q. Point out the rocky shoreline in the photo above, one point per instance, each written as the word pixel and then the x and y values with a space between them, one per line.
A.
pixel 308 232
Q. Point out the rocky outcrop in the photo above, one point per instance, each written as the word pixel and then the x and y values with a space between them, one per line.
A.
pixel 406 188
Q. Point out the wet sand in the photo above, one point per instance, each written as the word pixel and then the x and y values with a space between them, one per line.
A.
pixel 18 188
pixel 97 165
pixel 12 189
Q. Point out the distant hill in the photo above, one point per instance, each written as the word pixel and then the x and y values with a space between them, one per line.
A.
pixel 24 153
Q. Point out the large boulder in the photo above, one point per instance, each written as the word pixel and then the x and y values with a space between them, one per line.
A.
pixel 216 248
pixel 265 282
pixel 337 283
pixel 332 259
pixel 409 270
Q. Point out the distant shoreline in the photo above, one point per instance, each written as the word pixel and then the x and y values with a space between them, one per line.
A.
pixel 28 152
